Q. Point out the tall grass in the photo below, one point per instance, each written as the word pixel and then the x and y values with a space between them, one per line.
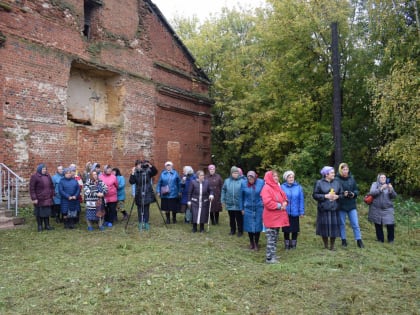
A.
pixel 170 270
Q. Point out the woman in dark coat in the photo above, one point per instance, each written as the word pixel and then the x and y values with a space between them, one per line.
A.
pixel 69 190
pixel 41 189
pixel 216 184
pixel 199 196
pixel 141 176
pixel 327 191
pixel 381 211
pixel 186 180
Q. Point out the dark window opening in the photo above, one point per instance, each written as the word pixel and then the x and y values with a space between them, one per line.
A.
pixel 90 6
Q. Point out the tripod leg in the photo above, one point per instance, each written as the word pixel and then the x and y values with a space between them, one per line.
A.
pixel 129 215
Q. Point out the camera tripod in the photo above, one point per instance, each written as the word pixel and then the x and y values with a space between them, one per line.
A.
pixel 143 225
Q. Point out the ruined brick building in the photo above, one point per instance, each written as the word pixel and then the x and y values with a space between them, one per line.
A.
pixel 105 81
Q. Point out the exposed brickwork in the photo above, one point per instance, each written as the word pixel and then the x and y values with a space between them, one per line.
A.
pixel 158 112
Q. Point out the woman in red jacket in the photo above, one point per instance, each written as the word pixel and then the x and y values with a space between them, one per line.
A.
pixel 274 213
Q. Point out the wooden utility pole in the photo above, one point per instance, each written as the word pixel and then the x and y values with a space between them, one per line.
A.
pixel 338 151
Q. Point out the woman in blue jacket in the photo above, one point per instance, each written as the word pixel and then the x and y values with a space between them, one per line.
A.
pixel 295 208
pixel 231 199
pixel 252 208
pixel 168 188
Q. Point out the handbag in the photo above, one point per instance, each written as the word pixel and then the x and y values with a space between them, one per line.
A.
pixel 100 209
pixel 368 199
pixel 165 190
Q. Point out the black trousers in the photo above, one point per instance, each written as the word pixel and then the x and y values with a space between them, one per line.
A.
pixel 236 221
pixel 380 232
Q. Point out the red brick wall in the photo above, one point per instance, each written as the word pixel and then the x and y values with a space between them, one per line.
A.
pixel 43 40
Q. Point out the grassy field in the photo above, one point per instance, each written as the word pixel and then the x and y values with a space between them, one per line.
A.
pixel 169 270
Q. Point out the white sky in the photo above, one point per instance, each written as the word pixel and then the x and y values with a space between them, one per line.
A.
pixel 200 8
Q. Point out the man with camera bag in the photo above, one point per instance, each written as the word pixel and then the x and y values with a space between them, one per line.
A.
pixel 141 176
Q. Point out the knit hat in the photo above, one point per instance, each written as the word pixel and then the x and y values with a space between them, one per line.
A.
pixel 234 169
pixel 251 173
pixel 67 170
pixel 72 168
pixel 326 170
pixel 287 174
pixel 211 167
pixel 168 163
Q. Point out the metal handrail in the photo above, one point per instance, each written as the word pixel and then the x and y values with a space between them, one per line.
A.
pixel 6 183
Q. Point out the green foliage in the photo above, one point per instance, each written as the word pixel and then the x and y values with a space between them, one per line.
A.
pixel 272 82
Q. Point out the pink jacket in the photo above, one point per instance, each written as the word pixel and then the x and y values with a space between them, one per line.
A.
pixel 111 182
pixel 273 197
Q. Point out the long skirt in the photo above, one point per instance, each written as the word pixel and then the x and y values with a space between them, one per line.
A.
pixel 170 204
pixel 328 224
pixel 43 211
pixel 294 226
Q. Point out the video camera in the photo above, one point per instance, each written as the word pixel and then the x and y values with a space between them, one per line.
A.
pixel 144 164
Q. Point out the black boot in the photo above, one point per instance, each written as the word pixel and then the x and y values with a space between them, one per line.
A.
pixel 66 223
pixel 194 229
pixel 174 217
pixel 216 217
pixel 360 244
pixel 344 242
pixel 325 241
pixel 286 244
pixel 293 244
pixel 201 227
pixel 47 224
pixel 332 241
pixel 39 222
pixel 168 218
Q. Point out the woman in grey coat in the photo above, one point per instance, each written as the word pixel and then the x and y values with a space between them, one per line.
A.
pixel 381 211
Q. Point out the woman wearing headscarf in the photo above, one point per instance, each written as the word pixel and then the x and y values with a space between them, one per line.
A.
pixel 168 188
pixel 70 205
pixel 231 198
pixel 216 184
pixel 187 178
pixel 94 190
pixel 326 192
pixel 381 211
pixel 199 197
pixel 348 205
pixel 252 208
pixel 41 189
pixel 274 213
pixel 295 208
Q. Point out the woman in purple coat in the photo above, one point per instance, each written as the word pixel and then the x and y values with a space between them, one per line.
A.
pixel 41 189
pixel 199 197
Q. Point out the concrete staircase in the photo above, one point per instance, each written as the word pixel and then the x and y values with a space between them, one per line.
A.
pixel 8 220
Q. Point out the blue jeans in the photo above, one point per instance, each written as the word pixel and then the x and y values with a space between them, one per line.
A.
pixel 354 222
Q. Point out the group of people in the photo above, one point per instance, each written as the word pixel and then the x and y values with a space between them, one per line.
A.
pixel 336 197
pixel 254 205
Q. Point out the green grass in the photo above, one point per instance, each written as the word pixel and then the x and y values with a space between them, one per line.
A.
pixel 172 271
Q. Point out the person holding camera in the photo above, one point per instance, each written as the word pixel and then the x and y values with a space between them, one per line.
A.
pixel 168 188
pixel 347 205
pixel 381 211
pixel 141 177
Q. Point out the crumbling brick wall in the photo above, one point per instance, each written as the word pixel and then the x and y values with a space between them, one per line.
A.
pixel 125 89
